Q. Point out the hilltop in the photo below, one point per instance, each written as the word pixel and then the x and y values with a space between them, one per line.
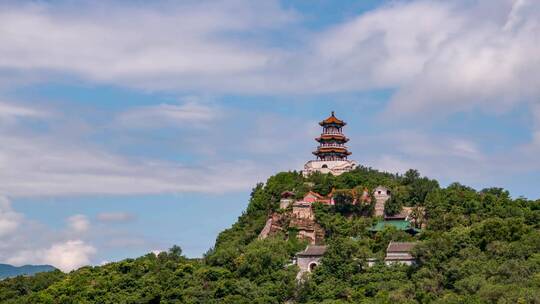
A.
pixel 476 247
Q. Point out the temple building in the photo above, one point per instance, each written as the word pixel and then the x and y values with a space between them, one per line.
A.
pixel 331 154
pixel 400 253
pixel 381 194
pixel 309 259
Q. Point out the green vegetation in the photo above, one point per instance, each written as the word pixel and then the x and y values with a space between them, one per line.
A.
pixel 478 247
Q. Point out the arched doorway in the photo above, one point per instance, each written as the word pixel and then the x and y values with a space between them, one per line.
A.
pixel 312 266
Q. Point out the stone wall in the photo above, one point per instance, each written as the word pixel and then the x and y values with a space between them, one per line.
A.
pixel 284 203
pixel 381 194
pixel 302 211
pixel 301 217
pixel 307 264
pixel 335 167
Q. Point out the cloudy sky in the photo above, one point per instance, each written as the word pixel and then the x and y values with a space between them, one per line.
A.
pixel 128 127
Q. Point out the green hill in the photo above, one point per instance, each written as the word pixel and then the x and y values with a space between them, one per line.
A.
pixel 478 247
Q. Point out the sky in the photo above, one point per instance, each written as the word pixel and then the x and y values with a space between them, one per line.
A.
pixel 130 126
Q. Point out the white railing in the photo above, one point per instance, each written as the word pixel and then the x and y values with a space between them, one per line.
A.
pixel 332 132
pixel 332 146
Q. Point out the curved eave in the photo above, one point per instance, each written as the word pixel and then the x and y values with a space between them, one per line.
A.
pixel 332 150
pixel 328 123
pixel 332 137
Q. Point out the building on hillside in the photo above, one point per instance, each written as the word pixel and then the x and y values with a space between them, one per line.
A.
pixel 287 198
pixel 400 253
pixel 302 210
pixel 309 259
pixel 303 219
pixel 331 154
pixel 371 262
pixel 381 194
pixel 314 197
pixel 402 225
pixel 414 215
pixel 417 216
pixel 401 216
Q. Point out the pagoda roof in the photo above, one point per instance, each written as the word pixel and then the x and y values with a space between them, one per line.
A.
pixel 332 136
pixel 332 119
pixel 332 149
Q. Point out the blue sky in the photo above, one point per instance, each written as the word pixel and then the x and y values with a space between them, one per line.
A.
pixel 128 127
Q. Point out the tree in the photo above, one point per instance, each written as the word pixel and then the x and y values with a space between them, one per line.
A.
pixel 343 200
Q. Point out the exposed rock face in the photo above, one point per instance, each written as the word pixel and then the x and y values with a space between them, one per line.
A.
pixel 308 229
pixel 301 218
pixel 266 230
pixel 275 223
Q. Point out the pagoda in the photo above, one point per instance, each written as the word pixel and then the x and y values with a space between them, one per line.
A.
pixel 331 154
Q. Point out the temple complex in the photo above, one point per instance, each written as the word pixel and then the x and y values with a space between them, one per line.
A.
pixel 331 154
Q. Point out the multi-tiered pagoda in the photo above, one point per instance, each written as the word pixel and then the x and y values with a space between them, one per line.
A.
pixel 331 153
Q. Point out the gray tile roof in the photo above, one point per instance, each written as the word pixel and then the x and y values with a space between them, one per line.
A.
pixel 313 250
pixel 400 216
pixel 400 246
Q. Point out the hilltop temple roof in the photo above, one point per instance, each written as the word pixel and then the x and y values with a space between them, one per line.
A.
pixel 332 120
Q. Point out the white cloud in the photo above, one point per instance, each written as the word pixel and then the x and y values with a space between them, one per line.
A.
pixel 9 219
pixel 453 56
pixel 180 115
pixel 69 255
pixel 66 256
pixel 384 47
pixel 11 110
pixel 31 166
pixel 78 223
pixel 115 217
pixel 436 155
pixel 168 46
pixel 26 241
pixel 438 56
pixel 450 158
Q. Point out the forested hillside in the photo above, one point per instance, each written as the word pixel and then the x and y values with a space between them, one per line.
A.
pixel 477 247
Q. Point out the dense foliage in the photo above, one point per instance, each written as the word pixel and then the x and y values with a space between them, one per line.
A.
pixel 478 247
